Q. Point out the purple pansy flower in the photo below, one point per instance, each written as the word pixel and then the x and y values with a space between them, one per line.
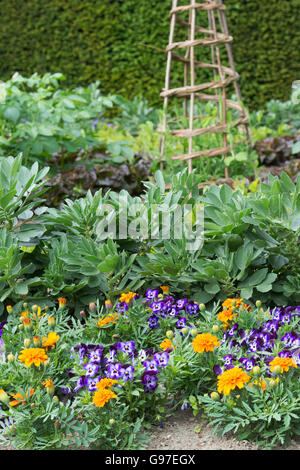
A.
pixel 91 383
pixel 153 321
pixel 181 322
pixel 150 365
pixel 91 369
pixel 151 294
pixel 114 371
pixel 161 359
pixel 127 373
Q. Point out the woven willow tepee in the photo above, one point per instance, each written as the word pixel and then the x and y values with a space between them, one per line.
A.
pixel 191 18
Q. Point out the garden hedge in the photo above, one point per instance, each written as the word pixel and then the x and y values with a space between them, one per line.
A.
pixel 91 40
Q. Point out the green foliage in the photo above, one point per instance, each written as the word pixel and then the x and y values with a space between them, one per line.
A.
pixel 38 118
pixel 104 40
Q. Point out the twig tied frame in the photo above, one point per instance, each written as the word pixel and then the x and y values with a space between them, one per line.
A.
pixel 215 35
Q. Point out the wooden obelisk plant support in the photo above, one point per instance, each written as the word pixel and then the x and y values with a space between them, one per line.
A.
pixel 215 89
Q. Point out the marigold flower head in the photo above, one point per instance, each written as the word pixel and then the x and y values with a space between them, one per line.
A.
pixel 283 362
pixel 61 302
pixel 166 344
pixel 205 342
pixel 48 383
pixel 127 297
pixel 232 378
pixel 230 303
pixel 102 396
pixel 110 318
pixel 165 289
pixel 34 356
pixel 105 383
pixel 226 315
pixel 18 398
pixel 50 340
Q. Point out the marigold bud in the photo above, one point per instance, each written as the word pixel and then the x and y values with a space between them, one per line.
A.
pixel 82 313
pixel 25 305
pixel 111 421
pixel 115 336
pixel 9 309
pixel 27 342
pixel 215 328
pixel 169 334
pixel 256 370
pixel 272 383
pixel 10 357
pixel 56 424
pixel 4 398
pixel 35 308
pixel 277 370
pixel 51 321
pixel 21 326
pixel 93 307
pixel 55 398
pixel 185 330
pixel 258 303
pixel 202 307
pixel 108 304
pixel 36 340
pixel 50 389
pixel 194 332
pixel 215 396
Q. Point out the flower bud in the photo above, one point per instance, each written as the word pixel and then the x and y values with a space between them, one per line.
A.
pixel 215 328
pixel 256 370
pixel 194 332
pixel 21 326
pixel 61 302
pixel 4 398
pixel 27 342
pixel 82 313
pixel 258 303
pixel 36 340
pixel 93 307
pixel 25 305
pixel 35 308
pixel 50 389
pixel 215 396
pixel 55 398
pixel 272 383
pixel 10 357
pixel 115 336
pixel 277 370
pixel 169 334
pixel 56 424
pixel 202 307
pixel 108 305
pixel 9 309
pixel 111 421
pixel 185 330
pixel 51 321
pixel 27 323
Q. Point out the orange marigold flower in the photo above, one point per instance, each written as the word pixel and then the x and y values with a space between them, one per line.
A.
pixel 232 378
pixel 34 356
pixel 165 289
pixel 226 315
pixel 166 344
pixel 62 301
pixel 19 398
pixel 205 342
pixel 284 362
pixel 127 297
pixel 50 340
pixel 102 396
pixel 111 318
pixel 106 383
pixel 48 383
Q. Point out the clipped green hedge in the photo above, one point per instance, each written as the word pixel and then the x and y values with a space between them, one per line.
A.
pixel 90 40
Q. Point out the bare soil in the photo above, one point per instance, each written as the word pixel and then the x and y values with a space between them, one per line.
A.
pixel 185 432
